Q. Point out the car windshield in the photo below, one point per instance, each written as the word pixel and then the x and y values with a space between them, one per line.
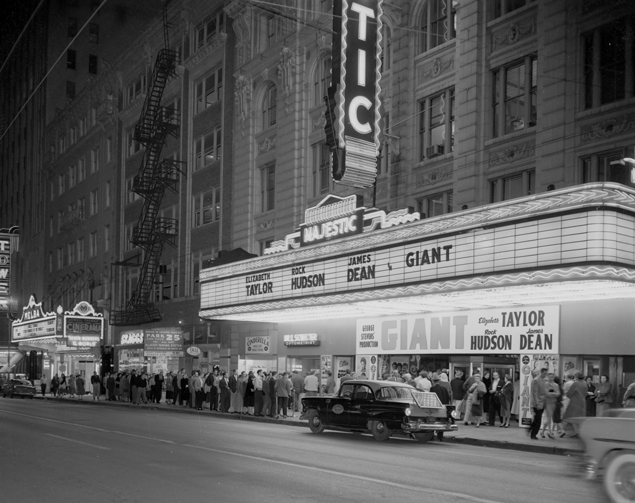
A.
pixel 388 392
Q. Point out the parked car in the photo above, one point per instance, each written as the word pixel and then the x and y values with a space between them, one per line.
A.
pixel 609 443
pixel 382 408
pixel 18 387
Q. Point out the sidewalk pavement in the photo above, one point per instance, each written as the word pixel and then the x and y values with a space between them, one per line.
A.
pixel 513 438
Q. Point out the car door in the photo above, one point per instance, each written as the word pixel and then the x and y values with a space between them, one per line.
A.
pixel 337 408
pixel 360 405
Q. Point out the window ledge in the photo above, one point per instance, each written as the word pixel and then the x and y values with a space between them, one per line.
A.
pixel 505 17
pixel 608 107
pixel 510 136
pixel 433 160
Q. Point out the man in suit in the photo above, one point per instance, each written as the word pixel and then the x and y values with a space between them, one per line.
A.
pixel 538 394
pixel 233 387
pixel 494 398
pixel 224 393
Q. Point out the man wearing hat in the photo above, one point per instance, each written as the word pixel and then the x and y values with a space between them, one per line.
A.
pixel 443 395
pixel 576 393
pixel 538 394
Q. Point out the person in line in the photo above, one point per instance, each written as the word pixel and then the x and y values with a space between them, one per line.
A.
pixel 443 394
pixel 142 387
pixel 192 388
pixel 423 383
pixel 478 394
pixel 347 376
pixel 507 399
pixel 72 390
pixel 590 397
pixel 603 396
pixel 233 387
pixel 516 404
pixel 467 386
pixel 576 392
pixel 311 383
pixel 43 384
pixel 458 393
pixel 494 390
pixel 298 388
pixel 134 390
pixel 242 387
pixel 283 390
pixel 216 387
pixel 118 387
pixel 628 400
pixel 537 401
pixel 125 386
pixel 552 393
pixel 198 391
pixel 176 389
pixel 249 393
pixel 63 385
pixel 407 378
pixel 185 389
pixel 55 384
pixel 557 411
pixel 258 399
pixel 225 393
pixel 487 381
pixel 110 387
pixel 96 385
pixel 329 389
pixel 81 386
pixel 273 410
pixel 157 391
pixel 169 388
pixel 266 399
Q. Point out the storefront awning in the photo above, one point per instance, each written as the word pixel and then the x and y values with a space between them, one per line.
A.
pixel 560 246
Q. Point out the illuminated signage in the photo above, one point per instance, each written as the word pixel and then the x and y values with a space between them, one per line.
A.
pixel 301 340
pixel 130 338
pixel 354 95
pixel 34 323
pixel 258 345
pixel 163 342
pixel 5 267
pixel 83 320
pixel 338 217
pixel 83 341
pixel 531 330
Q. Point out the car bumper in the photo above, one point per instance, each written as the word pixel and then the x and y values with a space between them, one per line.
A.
pixel 423 426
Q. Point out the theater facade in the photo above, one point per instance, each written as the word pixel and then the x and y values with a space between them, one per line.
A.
pixel 544 280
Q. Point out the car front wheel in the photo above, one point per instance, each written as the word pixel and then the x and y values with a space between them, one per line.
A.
pixel 619 478
pixel 423 437
pixel 380 431
pixel 315 423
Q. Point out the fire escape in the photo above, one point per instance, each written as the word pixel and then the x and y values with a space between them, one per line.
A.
pixel 155 176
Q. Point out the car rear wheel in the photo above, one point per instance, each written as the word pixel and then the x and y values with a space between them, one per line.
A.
pixel 315 423
pixel 380 431
pixel 423 437
pixel 619 478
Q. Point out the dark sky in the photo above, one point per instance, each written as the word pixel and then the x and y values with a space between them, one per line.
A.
pixel 13 16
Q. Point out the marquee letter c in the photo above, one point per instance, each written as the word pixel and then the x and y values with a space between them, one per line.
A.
pixel 356 102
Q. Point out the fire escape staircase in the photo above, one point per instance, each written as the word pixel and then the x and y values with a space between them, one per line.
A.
pixel 155 176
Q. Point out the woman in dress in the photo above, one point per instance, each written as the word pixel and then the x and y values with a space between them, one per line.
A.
pixel 603 396
pixel 553 392
pixel 478 391
pixel 185 390
pixel 590 398
pixel 249 394
pixel 557 412
pixel 72 390
pixel 487 382
pixel 240 391
pixel 63 385
pixel 507 401
pixel 81 386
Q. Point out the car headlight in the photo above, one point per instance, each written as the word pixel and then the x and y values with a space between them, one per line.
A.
pixel 455 414
pixel 408 411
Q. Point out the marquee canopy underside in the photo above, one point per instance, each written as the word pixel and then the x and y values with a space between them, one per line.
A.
pixel 516 289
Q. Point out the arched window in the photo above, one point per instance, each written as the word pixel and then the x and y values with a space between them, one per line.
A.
pixel 269 104
pixel 322 79
pixel 438 24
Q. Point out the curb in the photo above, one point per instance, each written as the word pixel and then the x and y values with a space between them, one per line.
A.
pixel 479 442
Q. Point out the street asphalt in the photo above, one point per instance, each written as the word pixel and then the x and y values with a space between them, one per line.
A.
pixel 66 451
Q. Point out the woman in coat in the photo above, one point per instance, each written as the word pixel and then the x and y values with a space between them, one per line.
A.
pixel 478 391
pixel 590 398
pixel 72 390
pixel 507 401
pixel 240 391
pixel 557 411
pixel 249 394
pixel 185 390
pixel 81 386
pixel 125 387
pixel 577 400
pixel 603 396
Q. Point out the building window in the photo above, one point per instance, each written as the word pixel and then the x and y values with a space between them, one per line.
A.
pixel 436 204
pixel 81 207
pixel 321 169
pixel 72 27
pixel 60 258
pixel 608 167
pixel 80 249
pixel 128 235
pixel 133 145
pixel 94 202
pixel 82 126
pixel 92 64
pixel 130 195
pixel 70 89
pixel 94 160
pixel 81 170
pixel 92 244
pixel 322 80
pixel 109 149
pixel 93 33
pixel 200 260
pixel 209 90
pixel 438 24
pixel 608 63
pixel 107 194
pixel 269 104
pixel 72 135
pixel 513 186
pixel 515 96
pixel 436 125
pixel 208 149
pixel 206 207
pixel 106 238
pixel 72 176
pixel 61 183
pixel 71 253
pixel 503 7
pixel 211 27
pixel 50 261
pixel 136 88
pixel 267 187
pixel 71 59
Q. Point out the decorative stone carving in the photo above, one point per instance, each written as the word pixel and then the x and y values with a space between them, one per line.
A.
pixel 267 144
pixel 511 154
pixel 323 42
pixel 434 176
pixel 434 69
pixel 240 12
pixel 265 225
pixel 513 34
pixel 286 71
pixel 320 122
pixel 265 74
pixel 608 128
pixel 242 98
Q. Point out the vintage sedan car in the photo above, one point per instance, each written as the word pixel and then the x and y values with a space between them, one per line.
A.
pixel 18 387
pixel 609 443
pixel 382 408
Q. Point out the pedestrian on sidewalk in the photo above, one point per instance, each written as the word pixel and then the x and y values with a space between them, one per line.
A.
pixel 458 393
pixel 43 384
pixel 81 386
pixel 110 387
pixel 184 399
pixel 125 387
pixel 603 396
pixel 55 384
pixel 63 385
pixel 443 394
pixel 478 394
pixel 467 386
pixel 72 390
pixel 157 391
pixel 298 388
pixel 537 402
pixel 225 393
pixel 553 392
pixel 96 384
pixel 266 394
pixel 507 400
pixel 311 383
pixel 249 394
pixel 240 393
pixel 577 406
pixel 283 390
pixel 558 430
pixel 233 387
pixel 134 389
pixel 199 392
pixel 258 398
pixel 273 396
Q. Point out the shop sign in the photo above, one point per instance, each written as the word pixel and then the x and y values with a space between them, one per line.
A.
pixel 366 367
pixel 356 74
pixel 301 339
pixel 343 364
pixel 260 344
pixel 130 338
pixel 83 341
pixel 5 269
pixel 529 364
pixel 513 330
pixel 193 350
pixel 34 323
pixel 163 342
